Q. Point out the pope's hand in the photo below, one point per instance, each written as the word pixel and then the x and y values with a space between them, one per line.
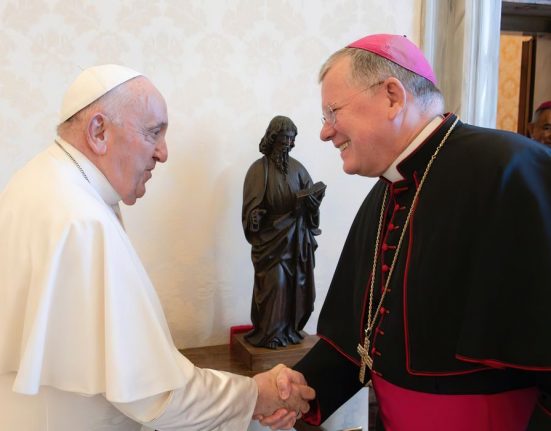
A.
pixel 283 396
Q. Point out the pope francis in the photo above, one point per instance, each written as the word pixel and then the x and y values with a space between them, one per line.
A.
pixel 84 344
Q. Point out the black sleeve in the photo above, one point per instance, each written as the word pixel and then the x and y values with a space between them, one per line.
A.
pixel 332 375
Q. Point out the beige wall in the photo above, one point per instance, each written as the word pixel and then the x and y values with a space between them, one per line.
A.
pixel 509 77
pixel 226 68
pixel 542 84
pixel 510 55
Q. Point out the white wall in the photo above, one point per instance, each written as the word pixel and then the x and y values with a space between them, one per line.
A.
pixel 226 68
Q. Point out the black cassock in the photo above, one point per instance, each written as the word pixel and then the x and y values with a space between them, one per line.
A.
pixel 470 297
pixel 282 250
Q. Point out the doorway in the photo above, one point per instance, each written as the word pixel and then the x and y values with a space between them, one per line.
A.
pixel 525 62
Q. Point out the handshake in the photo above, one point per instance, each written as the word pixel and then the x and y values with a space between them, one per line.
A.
pixel 283 396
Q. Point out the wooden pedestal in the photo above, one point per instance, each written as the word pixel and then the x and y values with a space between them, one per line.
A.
pixel 261 358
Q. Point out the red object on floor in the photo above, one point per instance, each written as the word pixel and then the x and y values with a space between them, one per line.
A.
pixel 238 329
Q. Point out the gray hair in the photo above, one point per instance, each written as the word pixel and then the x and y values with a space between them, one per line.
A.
pixel 368 68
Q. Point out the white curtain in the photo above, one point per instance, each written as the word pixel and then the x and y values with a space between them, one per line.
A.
pixel 461 41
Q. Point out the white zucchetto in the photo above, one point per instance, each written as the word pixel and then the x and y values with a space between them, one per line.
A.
pixel 90 85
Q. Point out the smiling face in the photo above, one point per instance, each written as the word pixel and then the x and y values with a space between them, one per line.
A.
pixel 136 140
pixel 362 130
pixel 540 130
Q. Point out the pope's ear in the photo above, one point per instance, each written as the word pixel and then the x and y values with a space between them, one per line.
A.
pixel 96 134
pixel 396 95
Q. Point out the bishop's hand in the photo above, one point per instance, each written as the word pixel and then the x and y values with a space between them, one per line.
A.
pixel 283 397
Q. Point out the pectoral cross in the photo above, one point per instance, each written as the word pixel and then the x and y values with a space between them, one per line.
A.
pixel 366 359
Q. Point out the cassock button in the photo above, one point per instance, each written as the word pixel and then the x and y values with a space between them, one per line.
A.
pixel 384 247
pixel 382 310
pixel 385 268
pixel 390 226
pixel 396 207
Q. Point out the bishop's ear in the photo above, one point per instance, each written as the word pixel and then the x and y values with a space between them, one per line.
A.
pixel 531 129
pixel 96 134
pixel 397 96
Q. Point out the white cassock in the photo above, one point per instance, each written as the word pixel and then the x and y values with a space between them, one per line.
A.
pixel 83 336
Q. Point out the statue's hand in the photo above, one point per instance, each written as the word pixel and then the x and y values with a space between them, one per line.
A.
pixel 256 216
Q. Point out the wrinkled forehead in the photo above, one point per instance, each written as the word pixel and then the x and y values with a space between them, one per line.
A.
pixel 546 115
pixel 148 101
pixel 542 118
pixel 337 81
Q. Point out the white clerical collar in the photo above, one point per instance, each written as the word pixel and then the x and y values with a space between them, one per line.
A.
pixel 392 174
pixel 93 174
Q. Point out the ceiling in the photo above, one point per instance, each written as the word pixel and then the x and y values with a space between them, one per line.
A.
pixel 526 16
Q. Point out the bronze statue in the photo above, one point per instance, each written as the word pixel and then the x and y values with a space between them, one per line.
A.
pixel 280 219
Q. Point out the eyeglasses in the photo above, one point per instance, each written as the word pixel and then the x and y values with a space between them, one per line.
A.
pixel 330 111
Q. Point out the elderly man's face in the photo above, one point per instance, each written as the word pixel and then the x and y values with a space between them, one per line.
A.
pixel 541 129
pixel 360 131
pixel 138 143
